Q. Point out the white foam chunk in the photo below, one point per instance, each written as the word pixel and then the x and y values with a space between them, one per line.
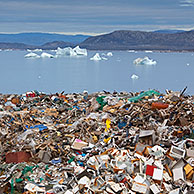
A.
pixel 158 174
pixel 80 51
pixel 144 61
pixel 134 76
pixel 96 57
pixel 46 55
pixel 178 174
pixel 32 55
pixel 154 189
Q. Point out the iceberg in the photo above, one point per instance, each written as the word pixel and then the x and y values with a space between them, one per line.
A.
pixel 96 57
pixel 46 55
pixel 68 51
pixel 144 61
pixel 35 50
pixel 109 54
pixel 134 76
pixel 80 51
pixel 104 58
pixel 32 55
pixel 148 51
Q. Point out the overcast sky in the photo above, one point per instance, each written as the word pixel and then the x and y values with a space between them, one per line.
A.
pixel 94 16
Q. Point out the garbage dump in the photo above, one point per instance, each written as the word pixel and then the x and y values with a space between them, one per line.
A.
pixel 110 143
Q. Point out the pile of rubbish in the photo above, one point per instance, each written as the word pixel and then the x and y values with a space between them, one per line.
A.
pixel 110 143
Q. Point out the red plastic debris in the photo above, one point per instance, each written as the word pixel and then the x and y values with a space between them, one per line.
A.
pixel 159 105
pixel 150 170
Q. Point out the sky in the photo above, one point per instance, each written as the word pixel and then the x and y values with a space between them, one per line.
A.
pixel 94 16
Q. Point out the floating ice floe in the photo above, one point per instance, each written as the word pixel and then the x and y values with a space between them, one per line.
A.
pixel 35 50
pixel 46 55
pixel 7 50
pixel 109 54
pixel 32 55
pixel 96 57
pixel 104 58
pixel 131 51
pixel 144 61
pixel 68 51
pixel 148 51
pixel 134 76
pixel 80 51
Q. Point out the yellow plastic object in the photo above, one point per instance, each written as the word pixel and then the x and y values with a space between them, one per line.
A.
pixel 108 122
pixel 107 140
pixel 95 138
pixel 188 168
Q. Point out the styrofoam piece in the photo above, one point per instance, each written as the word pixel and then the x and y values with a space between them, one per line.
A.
pixel 158 174
pixel 178 174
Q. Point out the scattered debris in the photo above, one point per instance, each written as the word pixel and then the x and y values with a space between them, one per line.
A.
pixel 97 143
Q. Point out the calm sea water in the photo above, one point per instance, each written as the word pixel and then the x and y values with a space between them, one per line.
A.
pixel 74 74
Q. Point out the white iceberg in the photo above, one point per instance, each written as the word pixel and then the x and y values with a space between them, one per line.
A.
pixel 104 58
pixel 35 50
pixel 148 51
pixel 68 51
pixel 32 55
pixel 134 76
pixel 144 61
pixel 109 54
pixel 96 57
pixel 80 51
pixel 46 55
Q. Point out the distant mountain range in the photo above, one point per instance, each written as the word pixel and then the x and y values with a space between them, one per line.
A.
pixel 41 38
pixel 46 46
pixel 167 40
pixel 139 40
pixel 169 31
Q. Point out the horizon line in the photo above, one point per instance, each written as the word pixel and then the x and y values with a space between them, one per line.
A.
pixel 91 33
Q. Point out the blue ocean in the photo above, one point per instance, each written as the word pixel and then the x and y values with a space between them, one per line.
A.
pixel 173 71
